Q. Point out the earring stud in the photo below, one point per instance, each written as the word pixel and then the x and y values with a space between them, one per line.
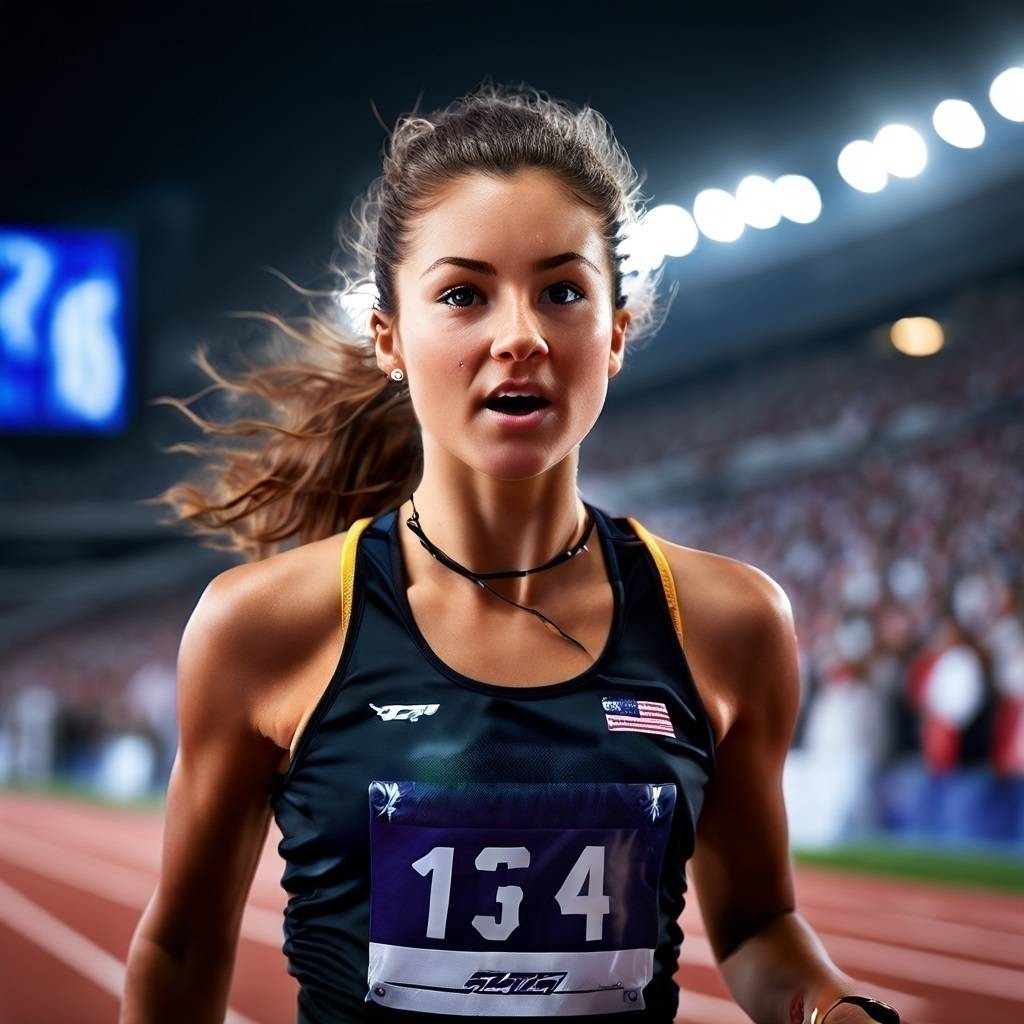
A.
pixel 397 375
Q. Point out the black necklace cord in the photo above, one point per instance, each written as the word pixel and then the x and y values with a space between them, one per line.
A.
pixel 413 522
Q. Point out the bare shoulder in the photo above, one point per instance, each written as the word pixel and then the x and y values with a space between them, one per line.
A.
pixel 731 613
pixel 739 637
pixel 269 626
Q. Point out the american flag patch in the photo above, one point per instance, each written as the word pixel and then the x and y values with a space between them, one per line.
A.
pixel 626 714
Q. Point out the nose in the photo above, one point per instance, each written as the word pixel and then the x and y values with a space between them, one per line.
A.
pixel 518 334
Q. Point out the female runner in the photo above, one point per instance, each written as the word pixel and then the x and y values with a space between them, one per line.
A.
pixel 484 812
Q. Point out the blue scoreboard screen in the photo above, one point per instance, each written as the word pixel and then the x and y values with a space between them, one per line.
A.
pixel 64 330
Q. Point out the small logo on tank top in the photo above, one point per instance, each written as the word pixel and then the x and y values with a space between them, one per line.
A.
pixel 404 712
pixel 627 714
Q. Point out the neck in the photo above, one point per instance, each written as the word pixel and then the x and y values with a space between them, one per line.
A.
pixel 490 525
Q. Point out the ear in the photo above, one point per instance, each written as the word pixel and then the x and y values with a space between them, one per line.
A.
pixel 382 330
pixel 620 323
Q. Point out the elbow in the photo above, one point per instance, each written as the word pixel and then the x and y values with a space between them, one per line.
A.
pixel 730 941
pixel 164 985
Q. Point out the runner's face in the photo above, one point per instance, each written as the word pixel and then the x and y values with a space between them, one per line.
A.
pixel 554 326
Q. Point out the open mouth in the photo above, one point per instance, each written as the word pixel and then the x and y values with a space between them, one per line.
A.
pixel 514 405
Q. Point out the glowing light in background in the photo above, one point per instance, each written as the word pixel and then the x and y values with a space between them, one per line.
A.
pixel 640 249
pixel 1007 94
pixel 671 229
pixel 758 201
pixel 917 336
pixel 718 215
pixel 799 199
pixel 861 167
pixel 901 150
pixel 958 123
pixel 665 230
pixel 357 303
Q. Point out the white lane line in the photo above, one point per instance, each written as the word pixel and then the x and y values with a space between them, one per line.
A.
pixel 125 886
pixel 36 925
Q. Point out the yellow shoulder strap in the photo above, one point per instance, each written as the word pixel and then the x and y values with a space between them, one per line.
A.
pixel 667 583
pixel 348 577
pixel 348 570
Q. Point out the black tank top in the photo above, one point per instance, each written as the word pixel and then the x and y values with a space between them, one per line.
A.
pixel 457 848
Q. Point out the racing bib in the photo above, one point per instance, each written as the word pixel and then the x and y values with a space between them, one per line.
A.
pixel 499 899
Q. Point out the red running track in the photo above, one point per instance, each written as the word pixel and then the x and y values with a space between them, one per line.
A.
pixel 74 879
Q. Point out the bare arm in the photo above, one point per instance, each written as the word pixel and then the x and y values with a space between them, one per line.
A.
pixel 182 954
pixel 773 963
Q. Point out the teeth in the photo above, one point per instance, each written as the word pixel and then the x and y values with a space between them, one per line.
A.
pixel 515 394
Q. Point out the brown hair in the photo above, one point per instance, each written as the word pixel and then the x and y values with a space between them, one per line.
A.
pixel 338 440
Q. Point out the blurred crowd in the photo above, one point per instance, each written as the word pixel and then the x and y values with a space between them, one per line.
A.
pixel 902 554
pixel 904 573
pixel 845 392
pixel 899 544
pixel 96 705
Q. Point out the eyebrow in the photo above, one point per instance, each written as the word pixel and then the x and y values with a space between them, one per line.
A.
pixel 481 266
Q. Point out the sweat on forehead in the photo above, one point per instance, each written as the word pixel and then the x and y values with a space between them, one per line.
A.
pixel 488 224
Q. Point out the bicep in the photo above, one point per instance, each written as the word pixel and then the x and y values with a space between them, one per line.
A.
pixel 741 864
pixel 217 812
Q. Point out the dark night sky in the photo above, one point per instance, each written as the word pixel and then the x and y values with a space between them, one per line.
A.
pixel 229 136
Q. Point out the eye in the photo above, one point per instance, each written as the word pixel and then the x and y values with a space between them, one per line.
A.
pixel 468 292
pixel 558 288
pixel 463 289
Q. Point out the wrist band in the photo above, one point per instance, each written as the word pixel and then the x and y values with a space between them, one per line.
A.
pixel 874 1008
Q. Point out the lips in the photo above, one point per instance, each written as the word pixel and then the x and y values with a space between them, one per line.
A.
pixel 518 422
pixel 521 387
pixel 516 405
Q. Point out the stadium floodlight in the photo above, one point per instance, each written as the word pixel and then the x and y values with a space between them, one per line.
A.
pixel 759 202
pixel 799 200
pixel 861 167
pixel 901 150
pixel 917 335
pixel 718 215
pixel 671 229
pixel 641 249
pixel 1007 93
pixel 958 123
